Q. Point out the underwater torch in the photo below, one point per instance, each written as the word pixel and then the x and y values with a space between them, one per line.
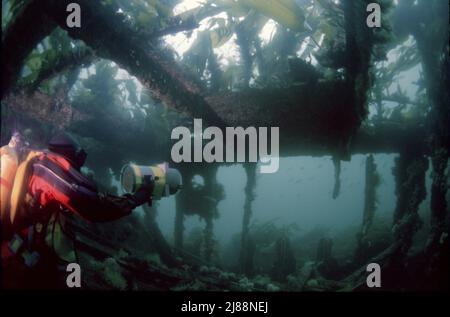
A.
pixel 165 181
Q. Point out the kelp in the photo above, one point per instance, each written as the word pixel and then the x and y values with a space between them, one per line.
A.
pixel 323 108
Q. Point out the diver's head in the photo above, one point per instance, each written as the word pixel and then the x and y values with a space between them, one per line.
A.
pixel 17 140
pixel 65 145
pixel 19 143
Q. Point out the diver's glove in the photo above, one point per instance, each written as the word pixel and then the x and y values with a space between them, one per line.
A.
pixel 143 195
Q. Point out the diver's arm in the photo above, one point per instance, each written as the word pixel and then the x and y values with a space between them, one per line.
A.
pixel 97 207
pixel 83 200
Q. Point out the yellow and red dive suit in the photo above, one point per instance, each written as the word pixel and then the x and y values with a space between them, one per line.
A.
pixel 46 189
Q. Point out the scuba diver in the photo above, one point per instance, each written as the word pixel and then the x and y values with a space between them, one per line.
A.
pixel 11 154
pixel 46 188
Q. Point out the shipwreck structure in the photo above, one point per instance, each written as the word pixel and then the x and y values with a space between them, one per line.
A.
pixel 317 114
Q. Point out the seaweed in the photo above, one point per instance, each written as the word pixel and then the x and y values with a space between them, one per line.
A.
pixel 322 75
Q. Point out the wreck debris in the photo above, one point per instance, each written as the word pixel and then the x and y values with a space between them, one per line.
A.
pixel 324 249
pixel 285 262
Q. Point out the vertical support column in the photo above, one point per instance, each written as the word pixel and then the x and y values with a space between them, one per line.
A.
pixel 208 236
pixel 213 194
pixel 246 253
pixel 337 176
pixel 371 183
pixel 179 223
pixel 440 151
pixel 409 172
pixel 435 64
pixel 439 187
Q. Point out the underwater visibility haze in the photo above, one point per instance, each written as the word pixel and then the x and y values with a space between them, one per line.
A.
pixel 363 119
